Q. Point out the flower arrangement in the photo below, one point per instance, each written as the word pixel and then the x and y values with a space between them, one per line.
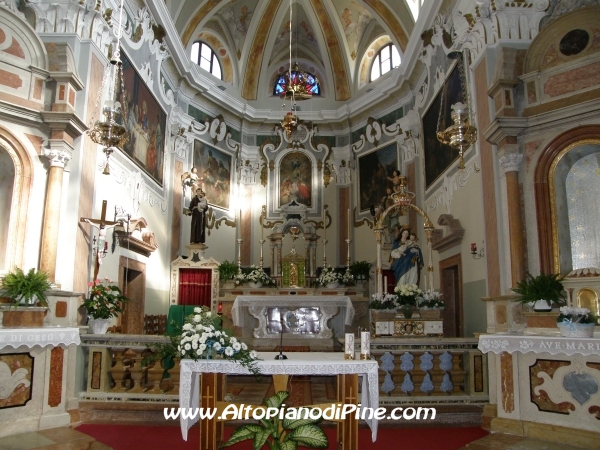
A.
pixel 202 338
pixel 105 300
pixel 254 275
pixel 430 300
pixel 383 301
pixel 575 315
pixel 347 278
pixel 328 275
pixel 406 294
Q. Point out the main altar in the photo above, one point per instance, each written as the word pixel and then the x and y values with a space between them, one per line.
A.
pixel 263 318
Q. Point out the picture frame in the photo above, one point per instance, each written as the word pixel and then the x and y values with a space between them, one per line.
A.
pixel 145 121
pixel 295 179
pixel 375 170
pixel 439 157
pixel 214 173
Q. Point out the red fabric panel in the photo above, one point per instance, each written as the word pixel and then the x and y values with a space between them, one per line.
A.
pixel 195 287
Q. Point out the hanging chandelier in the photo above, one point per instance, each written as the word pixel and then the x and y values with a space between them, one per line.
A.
pixel 109 130
pixel 461 134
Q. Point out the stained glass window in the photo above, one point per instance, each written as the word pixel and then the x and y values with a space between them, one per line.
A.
pixel 308 80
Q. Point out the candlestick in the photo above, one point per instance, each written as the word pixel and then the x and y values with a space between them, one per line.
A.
pixel 365 345
pixel 239 256
pixel 262 241
pixel 349 346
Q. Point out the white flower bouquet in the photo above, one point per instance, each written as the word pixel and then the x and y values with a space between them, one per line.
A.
pixel 328 275
pixel 406 294
pixel 383 301
pixel 254 275
pixel 575 315
pixel 201 338
pixel 430 300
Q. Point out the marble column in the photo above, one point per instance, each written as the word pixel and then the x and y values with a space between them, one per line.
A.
pixel 59 154
pixel 511 163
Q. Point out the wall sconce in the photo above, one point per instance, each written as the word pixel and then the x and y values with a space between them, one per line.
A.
pixel 474 253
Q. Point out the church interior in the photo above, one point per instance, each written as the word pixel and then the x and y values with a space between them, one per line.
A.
pixel 292 167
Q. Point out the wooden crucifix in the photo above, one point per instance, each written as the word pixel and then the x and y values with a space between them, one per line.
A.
pixel 101 245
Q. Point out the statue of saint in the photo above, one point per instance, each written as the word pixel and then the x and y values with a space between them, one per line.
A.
pixel 198 207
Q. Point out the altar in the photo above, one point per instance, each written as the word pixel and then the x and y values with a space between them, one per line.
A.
pixel 318 318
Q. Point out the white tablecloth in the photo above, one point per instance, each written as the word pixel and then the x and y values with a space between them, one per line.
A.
pixel 296 364
pixel 296 301
pixel 42 336
pixel 511 343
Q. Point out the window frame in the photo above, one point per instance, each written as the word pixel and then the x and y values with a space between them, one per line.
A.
pixel 377 59
pixel 213 57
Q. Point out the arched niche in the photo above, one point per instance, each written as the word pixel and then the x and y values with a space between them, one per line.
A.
pixel 554 165
pixel 15 187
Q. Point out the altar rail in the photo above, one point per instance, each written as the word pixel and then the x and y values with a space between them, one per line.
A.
pixel 411 370
pixel 430 371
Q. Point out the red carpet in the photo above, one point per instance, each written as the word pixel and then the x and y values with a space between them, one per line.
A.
pixel 134 437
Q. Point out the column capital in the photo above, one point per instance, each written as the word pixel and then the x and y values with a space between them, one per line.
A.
pixel 59 154
pixel 511 162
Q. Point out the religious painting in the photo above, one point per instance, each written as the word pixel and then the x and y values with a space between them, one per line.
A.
pixel 295 179
pixel 214 173
pixel 145 122
pixel 16 372
pixel 376 175
pixel 438 157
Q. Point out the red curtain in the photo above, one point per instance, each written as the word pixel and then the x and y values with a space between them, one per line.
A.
pixel 195 287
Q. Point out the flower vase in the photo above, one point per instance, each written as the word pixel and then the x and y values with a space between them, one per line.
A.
pixel 334 285
pixel 407 311
pixel 255 284
pixel 98 326
pixel 576 330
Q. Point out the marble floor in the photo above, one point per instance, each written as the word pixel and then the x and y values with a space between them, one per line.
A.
pixel 70 439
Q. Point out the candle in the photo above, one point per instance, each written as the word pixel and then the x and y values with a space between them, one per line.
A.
pixel 325 225
pixel 473 247
pixel 240 219
pixel 348 223
pixel 262 230
pixel 385 285
pixel 349 346
pixel 365 343
pixel 220 308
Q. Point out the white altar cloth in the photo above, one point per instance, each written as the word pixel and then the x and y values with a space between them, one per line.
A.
pixel 297 364
pixel 46 336
pixel 296 301
pixel 512 342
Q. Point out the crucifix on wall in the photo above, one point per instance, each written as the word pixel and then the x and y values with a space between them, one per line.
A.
pixel 100 244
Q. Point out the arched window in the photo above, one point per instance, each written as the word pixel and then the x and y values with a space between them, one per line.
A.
pixel 387 59
pixel 307 79
pixel 204 56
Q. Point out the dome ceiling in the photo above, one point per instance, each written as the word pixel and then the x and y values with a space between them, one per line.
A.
pixel 330 38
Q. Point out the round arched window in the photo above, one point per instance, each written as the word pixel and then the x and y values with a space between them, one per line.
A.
pixel 206 58
pixel 387 59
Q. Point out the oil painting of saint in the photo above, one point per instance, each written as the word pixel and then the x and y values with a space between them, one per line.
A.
pixel 295 179
pixel 377 171
pixel 214 173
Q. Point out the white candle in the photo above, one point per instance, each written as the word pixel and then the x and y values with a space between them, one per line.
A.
pixel 349 345
pixel 348 223
pixel 240 219
pixel 262 230
pixel 325 225
pixel 385 287
pixel 365 343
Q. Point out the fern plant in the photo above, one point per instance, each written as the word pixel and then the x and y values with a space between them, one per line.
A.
pixel 542 287
pixel 22 287
pixel 282 434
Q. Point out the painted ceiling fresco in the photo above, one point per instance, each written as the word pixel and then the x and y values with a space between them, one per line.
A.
pixel 330 36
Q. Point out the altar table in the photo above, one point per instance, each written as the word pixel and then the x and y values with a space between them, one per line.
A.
pixel 195 391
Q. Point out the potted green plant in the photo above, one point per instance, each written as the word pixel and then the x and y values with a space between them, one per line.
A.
pixel 104 302
pixel 360 270
pixel 26 291
pixel 227 271
pixel 542 291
